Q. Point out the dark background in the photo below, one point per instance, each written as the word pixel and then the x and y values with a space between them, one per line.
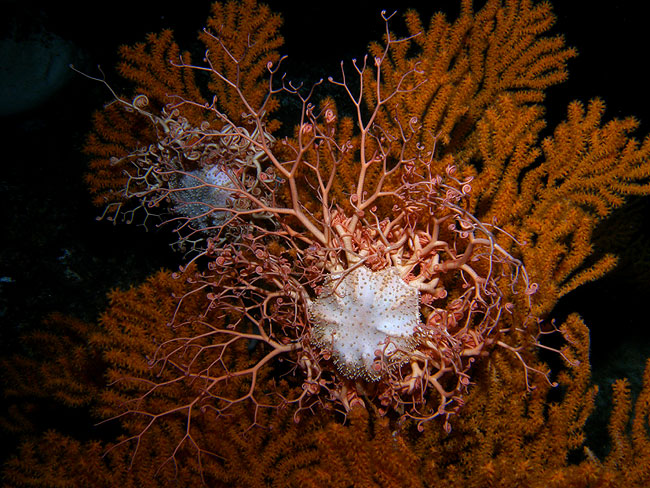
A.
pixel 55 256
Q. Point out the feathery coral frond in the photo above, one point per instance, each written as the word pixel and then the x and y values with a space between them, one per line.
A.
pixel 433 221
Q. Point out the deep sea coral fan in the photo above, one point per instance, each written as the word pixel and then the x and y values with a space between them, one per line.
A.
pixel 503 436
pixel 385 297
pixel 374 254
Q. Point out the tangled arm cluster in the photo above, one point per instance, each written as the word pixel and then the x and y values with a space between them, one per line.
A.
pixel 341 260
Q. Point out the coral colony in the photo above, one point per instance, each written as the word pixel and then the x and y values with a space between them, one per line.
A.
pixel 385 293
pixel 361 251
pixel 367 263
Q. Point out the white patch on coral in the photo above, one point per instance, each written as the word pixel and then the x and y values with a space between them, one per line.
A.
pixel 222 184
pixel 200 194
pixel 353 316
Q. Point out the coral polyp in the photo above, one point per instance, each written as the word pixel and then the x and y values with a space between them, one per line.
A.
pixel 365 316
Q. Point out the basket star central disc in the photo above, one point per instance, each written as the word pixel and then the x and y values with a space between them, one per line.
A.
pixel 354 316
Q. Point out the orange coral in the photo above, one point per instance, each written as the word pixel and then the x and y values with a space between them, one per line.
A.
pixel 506 435
pixel 250 33
pixel 435 191
pixel 58 367
pixel 294 260
pixel 427 280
